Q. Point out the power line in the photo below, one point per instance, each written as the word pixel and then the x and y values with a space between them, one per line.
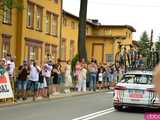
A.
pixel 125 4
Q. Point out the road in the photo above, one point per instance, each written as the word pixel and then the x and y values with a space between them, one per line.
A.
pixel 95 107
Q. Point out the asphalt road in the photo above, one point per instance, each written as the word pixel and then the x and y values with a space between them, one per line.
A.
pixel 95 107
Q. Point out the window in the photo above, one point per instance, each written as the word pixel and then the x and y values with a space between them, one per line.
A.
pixel 71 49
pixel 109 57
pixel 5 45
pixel 65 22
pixel 33 53
pixel 73 25
pixel 54 53
pixel 39 18
pixel 63 50
pixel 48 22
pixel 7 15
pixel 47 52
pixel 54 26
pixel 30 15
pixel 87 30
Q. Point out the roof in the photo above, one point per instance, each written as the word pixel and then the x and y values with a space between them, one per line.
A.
pixel 107 36
pixel 139 72
pixel 99 25
pixel 123 26
pixel 75 17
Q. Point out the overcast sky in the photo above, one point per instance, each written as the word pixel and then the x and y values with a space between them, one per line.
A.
pixel 141 14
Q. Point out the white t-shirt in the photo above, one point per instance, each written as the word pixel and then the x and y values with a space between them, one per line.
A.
pixel 11 66
pixel 34 74
pixel 100 77
pixel 47 71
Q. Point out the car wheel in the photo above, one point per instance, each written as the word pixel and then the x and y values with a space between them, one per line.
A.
pixel 119 108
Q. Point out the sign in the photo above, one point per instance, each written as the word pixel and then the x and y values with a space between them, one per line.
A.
pixel 5 86
pixel 152 116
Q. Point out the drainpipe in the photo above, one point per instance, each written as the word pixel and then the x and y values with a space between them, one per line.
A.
pixel 60 35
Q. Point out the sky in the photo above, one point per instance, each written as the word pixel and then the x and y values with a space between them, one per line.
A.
pixel 141 14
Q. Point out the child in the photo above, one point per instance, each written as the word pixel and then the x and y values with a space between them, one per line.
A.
pixel 100 79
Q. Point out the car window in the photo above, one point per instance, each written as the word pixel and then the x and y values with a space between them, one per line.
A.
pixel 138 79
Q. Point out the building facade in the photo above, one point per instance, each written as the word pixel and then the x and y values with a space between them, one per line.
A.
pixel 102 41
pixel 32 33
pixel 69 41
pixel 41 31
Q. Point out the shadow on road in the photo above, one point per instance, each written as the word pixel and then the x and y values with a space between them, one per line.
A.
pixel 139 110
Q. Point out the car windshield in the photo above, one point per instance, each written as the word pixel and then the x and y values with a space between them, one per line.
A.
pixel 137 79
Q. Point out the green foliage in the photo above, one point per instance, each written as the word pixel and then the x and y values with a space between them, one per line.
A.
pixel 158 44
pixel 144 44
pixel 74 62
pixel 10 4
pixel 2 70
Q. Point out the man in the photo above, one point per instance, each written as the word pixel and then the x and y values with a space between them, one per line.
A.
pixel 22 80
pixel 92 68
pixel 156 79
pixel 33 78
pixel 11 70
pixel 2 66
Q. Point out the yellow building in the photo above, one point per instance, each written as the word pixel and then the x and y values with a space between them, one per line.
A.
pixel 69 40
pixel 33 32
pixel 102 41
pixel 42 31
pixel 8 31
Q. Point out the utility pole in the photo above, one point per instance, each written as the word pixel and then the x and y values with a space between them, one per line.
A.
pixel 82 30
pixel 151 40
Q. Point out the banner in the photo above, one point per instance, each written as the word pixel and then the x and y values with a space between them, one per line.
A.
pixel 5 87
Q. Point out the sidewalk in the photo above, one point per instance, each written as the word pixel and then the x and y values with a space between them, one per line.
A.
pixel 52 97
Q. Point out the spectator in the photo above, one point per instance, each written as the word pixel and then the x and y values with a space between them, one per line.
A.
pixel 56 81
pixel 47 68
pixel 11 69
pixel 2 66
pixel 100 78
pixel 105 77
pixel 141 62
pixel 93 75
pixel 68 77
pixel 22 80
pixel 77 73
pixel 82 79
pixel 33 79
pixel 42 89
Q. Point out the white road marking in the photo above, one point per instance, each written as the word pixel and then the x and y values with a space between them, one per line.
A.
pixel 96 114
pixel 110 92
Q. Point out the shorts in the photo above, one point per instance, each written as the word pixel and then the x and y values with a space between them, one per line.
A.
pixel 40 85
pixel 48 81
pixel 21 84
pixel 32 85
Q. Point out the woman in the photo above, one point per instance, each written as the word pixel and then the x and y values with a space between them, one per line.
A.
pixel 77 73
pixel 56 73
pixel 68 77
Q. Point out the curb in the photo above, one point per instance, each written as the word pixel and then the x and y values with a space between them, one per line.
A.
pixel 51 99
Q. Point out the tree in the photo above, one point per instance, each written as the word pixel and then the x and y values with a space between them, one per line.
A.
pixel 158 44
pixel 144 44
pixel 82 30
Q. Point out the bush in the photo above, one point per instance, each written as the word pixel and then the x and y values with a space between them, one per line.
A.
pixel 74 62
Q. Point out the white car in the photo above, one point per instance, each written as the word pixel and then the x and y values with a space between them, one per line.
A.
pixel 136 90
